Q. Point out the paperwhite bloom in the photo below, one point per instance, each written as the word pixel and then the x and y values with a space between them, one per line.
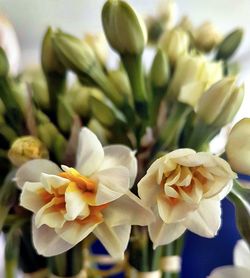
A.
pixel 184 189
pixel 94 197
pixel 241 268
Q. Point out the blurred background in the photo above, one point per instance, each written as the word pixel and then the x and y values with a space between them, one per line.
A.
pixel 31 18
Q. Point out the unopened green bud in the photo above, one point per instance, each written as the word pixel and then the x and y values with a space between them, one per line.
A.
pixel 124 28
pixel 49 59
pixel 215 100
pixel 120 80
pixel 65 114
pixel 2 107
pixel 78 97
pixel 100 131
pixel 232 107
pixel 104 111
pixel 238 147
pixel 174 43
pixel 4 64
pixel 26 148
pixel 229 45
pixel 75 54
pixel 160 70
pixel 99 45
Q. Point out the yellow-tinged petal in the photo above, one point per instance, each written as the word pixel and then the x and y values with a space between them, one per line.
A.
pixel 206 220
pixel 90 153
pixel 114 239
pixel 47 243
pixel 230 272
pixel 31 170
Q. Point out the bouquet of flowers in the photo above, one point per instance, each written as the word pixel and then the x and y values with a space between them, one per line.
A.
pixel 120 155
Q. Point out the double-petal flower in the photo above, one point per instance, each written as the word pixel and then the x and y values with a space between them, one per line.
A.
pixel 184 189
pixel 70 203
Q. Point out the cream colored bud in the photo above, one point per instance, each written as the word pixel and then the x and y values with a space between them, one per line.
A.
pixel 216 99
pixel 26 148
pixel 192 76
pixel 186 24
pixel 174 43
pixel 99 45
pixel 207 37
pixel 238 147
pixel 10 44
pixel 124 28
pixel 232 107
pixel 100 131
pixel 167 11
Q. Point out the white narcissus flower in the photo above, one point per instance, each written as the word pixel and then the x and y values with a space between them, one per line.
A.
pixel 241 268
pixel 184 189
pixel 94 196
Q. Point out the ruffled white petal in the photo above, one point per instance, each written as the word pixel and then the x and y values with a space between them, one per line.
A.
pixel 31 171
pixel 242 254
pixel 162 234
pixel 114 239
pixel 113 183
pixel 30 198
pixel 75 203
pixel 90 153
pixel 46 215
pixel 171 213
pixel 47 243
pixel 230 272
pixel 148 189
pixel 206 220
pixel 128 210
pixel 119 155
pixel 74 232
pixel 52 181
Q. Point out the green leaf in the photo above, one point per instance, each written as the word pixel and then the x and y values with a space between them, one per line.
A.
pixel 240 197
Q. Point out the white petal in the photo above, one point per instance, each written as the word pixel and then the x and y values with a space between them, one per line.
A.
pixel 128 209
pixel 171 213
pixel 148 189
pixel 46 215
pixel 31 171
pixel 90 153
pixel 230 272
pixel 30 198
pixel 114 239
pixel 162 234
pixel 119 155
pixel 75 203
pixel 47 243
pixel 242 254
pixel 73 232
pixel 215 187
pixel 206 220
pixel 180 153
pixel 113 183
pixel 52 181
pixel 226 190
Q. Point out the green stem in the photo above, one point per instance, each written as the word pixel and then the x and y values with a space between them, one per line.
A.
pixel 170 133
pixel 201 135
pixel 134 69
pixel 67 264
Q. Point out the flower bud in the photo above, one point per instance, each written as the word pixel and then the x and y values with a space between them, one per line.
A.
pixel 232 107
pixel 207 37
pixel 75 54
pixel 167 12
pixel 65 114
pixel 174 43
pixel 99 45
pixel 104 110
pixel 101 132
pixel 26 148
pixel 49 59
pixel 186 24
pixel 160 70
pixel 238 147
pixel 216 100
pixel 124 28
pixel 9 43
pixel 229 45
pixel 192 76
